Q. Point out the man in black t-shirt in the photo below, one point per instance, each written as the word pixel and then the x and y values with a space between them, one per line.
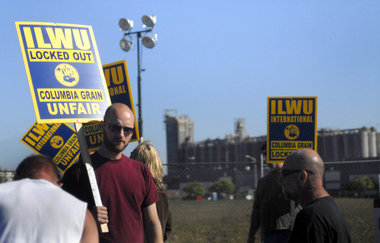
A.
pixel 320 219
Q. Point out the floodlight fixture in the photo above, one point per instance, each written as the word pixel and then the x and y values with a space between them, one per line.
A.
pixel 125 24
pixel 125 45
pixel 251 158
pixel 149 42
pixel 148 21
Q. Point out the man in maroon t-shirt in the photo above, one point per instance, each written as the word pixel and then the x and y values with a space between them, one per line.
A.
pixel 126 186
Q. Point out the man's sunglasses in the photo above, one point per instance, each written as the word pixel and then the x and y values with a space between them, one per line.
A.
pixel 286 173
pixel 116 129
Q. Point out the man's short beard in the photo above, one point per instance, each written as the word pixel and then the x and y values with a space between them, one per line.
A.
pixel 291 196
pixel 112 146
pixel 288 196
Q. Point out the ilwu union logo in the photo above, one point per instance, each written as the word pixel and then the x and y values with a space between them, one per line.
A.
pixel 56 142
pixel 66 75
pixel 292 132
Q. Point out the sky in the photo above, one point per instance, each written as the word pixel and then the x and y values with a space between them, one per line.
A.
pixel 215 61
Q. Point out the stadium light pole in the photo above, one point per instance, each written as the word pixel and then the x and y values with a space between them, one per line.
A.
pixel 254 161
pixel 126 26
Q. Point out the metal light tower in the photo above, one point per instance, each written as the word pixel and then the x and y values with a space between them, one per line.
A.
pixel 254 161
pixel 126 26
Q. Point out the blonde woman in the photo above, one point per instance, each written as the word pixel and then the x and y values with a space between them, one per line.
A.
pixel 147 154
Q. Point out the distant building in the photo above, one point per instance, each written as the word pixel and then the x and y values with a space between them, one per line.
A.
pixel 230 153
pixel 179 132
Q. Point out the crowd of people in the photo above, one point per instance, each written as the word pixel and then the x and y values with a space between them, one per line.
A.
pixel 290 204
pixel 135 207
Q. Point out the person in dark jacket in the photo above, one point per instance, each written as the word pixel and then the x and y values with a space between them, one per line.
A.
pixel 320 219
pixel 271 210
pixel 147 154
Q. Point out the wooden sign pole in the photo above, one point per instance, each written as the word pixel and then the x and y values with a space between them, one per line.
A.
pixel 90 170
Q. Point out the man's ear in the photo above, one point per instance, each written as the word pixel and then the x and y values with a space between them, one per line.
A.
pixel 102 124
pixel 303 177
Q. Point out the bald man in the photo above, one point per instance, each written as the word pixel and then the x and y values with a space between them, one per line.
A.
pixel 320 220
pixel 34 209
pixel 126 186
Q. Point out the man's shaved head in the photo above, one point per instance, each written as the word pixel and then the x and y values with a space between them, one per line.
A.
pixel 303 176
pixel 117 127
pixel 116 108
pixel 305 159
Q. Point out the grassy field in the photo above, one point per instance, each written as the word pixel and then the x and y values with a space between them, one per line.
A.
pixel 229 220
